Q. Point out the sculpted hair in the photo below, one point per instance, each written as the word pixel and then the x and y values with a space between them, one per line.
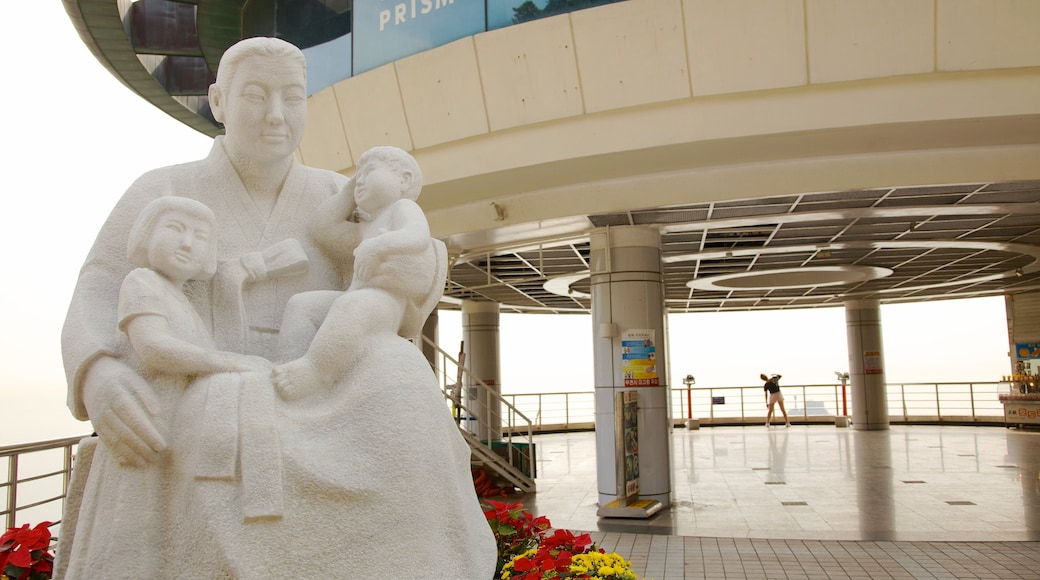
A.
pixel 261 46
pixel 398 160
pixel 141 233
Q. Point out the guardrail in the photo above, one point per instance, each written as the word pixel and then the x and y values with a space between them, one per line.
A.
pixel 34 488
pixel 32 485
pixel 487 420
pixel 967 402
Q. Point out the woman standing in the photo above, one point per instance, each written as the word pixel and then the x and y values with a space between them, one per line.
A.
pixel 773 396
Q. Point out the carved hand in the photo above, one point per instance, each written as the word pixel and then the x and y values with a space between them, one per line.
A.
pixel 123 409
pixel 367 259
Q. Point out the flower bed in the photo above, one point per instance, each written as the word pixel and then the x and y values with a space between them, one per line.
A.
pixel 527 551
pixel 25 553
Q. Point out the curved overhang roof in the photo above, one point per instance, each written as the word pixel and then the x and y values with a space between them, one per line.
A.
pixel 901 244
pixel 945 231
pixel 170 66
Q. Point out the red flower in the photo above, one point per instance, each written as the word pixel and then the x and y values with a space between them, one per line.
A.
pixel 565 539
pixel 516 531
pixel 24 552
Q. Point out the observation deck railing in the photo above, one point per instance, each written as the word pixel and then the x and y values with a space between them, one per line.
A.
pixel 34 476
pixel 960 403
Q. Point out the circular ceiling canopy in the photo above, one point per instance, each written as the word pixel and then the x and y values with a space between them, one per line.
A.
pixel 807 277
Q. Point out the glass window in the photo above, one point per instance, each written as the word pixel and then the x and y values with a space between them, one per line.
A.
pixel 328 63
pixel 308 23
pixel 502 13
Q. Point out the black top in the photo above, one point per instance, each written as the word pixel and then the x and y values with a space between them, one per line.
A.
pixel 772 386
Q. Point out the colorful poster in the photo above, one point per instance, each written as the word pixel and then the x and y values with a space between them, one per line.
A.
pixel 1028 350
pixel 639 358
pixel 630 438
pixel 872 362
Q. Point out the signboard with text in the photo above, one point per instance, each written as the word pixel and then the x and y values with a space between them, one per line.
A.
pixel 872 362
pixel 639 358
pixel 387 30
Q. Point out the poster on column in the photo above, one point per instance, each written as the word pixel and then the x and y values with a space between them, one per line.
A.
pixel 1026 350
pixel 639 358
pixel 872 362
pixel 630 442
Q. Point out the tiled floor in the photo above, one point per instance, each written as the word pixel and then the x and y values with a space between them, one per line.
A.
pixel 818 502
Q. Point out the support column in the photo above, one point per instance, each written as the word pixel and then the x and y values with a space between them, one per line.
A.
pixel 866 365
pixel 1023 320
pixel 480 343
pixel 429 331
pixel 628 295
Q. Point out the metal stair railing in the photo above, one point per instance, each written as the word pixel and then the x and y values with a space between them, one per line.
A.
pixel 505 427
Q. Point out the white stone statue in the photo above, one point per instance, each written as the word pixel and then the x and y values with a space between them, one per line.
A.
pixel 198 467
pixel 389 289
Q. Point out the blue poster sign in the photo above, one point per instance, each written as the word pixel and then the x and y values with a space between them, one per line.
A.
pixel 1027 349
pixel 387 30
pixel 639 358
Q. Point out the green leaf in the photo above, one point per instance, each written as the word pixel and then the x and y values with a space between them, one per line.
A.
pixel 507 530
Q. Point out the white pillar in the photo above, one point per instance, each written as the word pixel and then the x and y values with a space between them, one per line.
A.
pixel 480 343
pixel 430 331
pixel 1023 321
pixel 628 295
pixel 866 365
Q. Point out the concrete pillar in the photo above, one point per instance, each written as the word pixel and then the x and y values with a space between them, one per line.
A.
pixel 627 297
pixel 1023 320
pixel 429 331
pixel 480 343
pixel 866 365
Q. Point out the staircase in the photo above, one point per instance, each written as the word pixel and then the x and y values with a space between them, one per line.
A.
pixel 505 433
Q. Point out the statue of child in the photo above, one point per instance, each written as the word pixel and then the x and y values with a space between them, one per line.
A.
pixel 389 288
pixel 173 242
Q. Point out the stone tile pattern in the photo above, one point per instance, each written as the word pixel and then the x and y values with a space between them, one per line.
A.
pixel 661 557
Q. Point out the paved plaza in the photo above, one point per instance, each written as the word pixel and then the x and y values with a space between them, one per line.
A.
pixel 818 502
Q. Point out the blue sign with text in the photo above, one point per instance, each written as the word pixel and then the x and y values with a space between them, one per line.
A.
pixel 387 30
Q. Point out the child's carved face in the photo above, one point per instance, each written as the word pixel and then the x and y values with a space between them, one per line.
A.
pixel 377 185
pixel 179 246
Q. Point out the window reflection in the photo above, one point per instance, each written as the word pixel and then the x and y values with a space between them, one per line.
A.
pixel 502 13
pixel 305 23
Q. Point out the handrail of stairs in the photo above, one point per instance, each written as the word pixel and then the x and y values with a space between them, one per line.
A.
pixel 506 428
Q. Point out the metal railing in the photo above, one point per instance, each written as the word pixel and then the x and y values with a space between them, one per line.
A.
pixel 968 402
pixel 34 486
pixel 499 434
